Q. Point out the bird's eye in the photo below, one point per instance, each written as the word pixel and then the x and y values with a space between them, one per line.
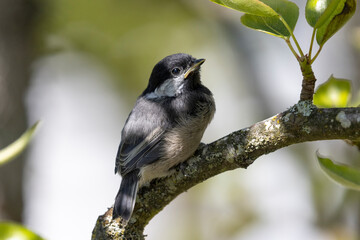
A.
pixel 176 71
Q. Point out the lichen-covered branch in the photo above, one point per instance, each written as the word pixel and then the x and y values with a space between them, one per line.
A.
pixel 301 123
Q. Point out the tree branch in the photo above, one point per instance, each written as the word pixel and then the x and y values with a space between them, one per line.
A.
pixel 301 123
pixel 308 83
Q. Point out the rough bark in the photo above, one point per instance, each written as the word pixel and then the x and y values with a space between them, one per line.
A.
pixel 308 82
pixel 301 123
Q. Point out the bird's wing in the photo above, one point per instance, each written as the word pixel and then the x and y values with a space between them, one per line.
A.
pixel 135 154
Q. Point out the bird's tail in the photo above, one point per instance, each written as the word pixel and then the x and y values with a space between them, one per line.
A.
pixel 125 199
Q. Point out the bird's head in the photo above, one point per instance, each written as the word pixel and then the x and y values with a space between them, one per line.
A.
pixel 173 75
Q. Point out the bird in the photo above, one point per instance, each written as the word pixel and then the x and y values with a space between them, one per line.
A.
pixel 163 129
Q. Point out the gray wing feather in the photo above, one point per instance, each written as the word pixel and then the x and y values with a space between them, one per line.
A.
pixel 131 156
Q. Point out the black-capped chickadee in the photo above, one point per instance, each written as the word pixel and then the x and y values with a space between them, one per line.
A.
pixel 164 128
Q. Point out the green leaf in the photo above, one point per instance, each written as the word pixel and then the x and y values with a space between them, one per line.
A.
pixel 15 148
pixel 269 25
pixel 335 21
pixel 255 7
pixel 318 12
pixel 218 2
pixel 333 93
pixel 288 12
pixel 344 175
pixel 16 231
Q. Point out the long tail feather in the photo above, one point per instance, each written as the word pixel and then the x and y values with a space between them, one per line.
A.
pixel 125 199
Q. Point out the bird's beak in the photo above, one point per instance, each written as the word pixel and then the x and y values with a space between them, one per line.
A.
pixel 194 67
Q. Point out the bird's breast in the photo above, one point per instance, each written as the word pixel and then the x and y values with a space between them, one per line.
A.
pixel 181 141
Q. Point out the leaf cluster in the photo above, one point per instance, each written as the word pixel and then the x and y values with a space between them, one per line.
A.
pixel 279 18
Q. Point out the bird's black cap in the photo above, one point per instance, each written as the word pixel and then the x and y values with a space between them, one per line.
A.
pixel 170 65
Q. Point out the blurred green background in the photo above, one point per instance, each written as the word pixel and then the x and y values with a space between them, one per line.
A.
pixel 79 65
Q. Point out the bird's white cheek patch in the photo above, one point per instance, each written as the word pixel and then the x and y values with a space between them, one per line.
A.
pixel 169 88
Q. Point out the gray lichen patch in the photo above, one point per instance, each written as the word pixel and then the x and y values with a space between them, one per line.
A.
pixel 287 117
pixel 230 154
pixel 307 129
pixel 305 108
pixel 343 120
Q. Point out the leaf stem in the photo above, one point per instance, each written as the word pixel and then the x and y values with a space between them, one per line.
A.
pixel 291 48
pixel 316 55
pixel 312 42
pixel 292 35
pixel 14 149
